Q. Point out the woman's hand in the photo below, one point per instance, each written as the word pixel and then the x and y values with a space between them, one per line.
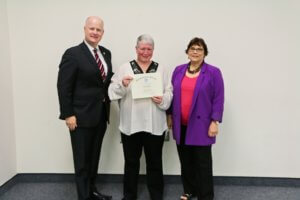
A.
pixel 126 80
pixel 157 99
pixel 213 129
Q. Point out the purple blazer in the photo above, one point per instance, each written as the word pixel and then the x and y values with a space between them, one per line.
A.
pixel 207 104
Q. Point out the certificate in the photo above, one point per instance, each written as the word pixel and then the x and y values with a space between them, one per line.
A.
pixel 146 85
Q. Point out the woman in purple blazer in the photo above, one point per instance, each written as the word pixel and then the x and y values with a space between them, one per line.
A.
pixel 196 111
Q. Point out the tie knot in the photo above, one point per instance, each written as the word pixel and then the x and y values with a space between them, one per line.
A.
pixel 95 50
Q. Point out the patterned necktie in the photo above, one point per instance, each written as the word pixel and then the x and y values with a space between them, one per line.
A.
pixel 100 64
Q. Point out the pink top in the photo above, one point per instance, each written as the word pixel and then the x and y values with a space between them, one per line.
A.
pixel 187 91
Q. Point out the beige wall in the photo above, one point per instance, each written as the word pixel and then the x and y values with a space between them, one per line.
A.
pixel 255 44
pixel 7 133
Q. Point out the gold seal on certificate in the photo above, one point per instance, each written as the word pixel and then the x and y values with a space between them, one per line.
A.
pixel 146 85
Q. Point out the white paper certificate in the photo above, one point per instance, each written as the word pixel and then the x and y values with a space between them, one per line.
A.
pixel 146 85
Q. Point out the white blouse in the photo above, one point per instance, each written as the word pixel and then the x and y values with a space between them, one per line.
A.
pixel 137 115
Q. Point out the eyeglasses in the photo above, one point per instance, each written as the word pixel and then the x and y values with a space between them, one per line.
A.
pixel 197 50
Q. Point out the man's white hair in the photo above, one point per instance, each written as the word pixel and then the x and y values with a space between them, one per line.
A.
pixel 88 19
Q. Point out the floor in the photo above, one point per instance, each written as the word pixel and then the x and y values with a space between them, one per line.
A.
pixel 66 191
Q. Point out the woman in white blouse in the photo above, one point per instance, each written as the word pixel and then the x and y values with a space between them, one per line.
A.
pixel 142 121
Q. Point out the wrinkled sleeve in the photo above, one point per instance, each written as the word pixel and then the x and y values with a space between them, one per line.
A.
pixel 167 91
pixel 116 89
pixel 170 109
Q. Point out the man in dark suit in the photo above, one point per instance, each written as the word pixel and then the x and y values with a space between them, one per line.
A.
pixel 84 75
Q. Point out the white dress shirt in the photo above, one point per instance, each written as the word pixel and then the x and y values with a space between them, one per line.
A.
pixel 137 115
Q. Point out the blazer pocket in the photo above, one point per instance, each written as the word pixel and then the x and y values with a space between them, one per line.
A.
pixel 203 118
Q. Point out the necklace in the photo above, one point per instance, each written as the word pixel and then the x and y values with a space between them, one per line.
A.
pixel 193 71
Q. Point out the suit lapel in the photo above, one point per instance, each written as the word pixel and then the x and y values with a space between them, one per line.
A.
pixel 108 62
pixel 91 60
pixel 178 80
pixel 104 56
pixel 197 87
pixel 88 54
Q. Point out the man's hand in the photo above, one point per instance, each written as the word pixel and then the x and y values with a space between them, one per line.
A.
pixel 71 122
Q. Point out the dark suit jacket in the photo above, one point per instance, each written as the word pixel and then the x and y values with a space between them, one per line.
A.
pixel 81 90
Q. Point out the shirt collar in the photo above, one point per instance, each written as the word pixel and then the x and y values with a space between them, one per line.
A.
pixel 90 47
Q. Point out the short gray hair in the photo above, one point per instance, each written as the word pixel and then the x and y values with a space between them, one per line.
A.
pixel 146 39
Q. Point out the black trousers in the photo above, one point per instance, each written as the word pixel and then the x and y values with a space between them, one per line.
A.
pixel 86 146
pixel 132 148
pixel 196 169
